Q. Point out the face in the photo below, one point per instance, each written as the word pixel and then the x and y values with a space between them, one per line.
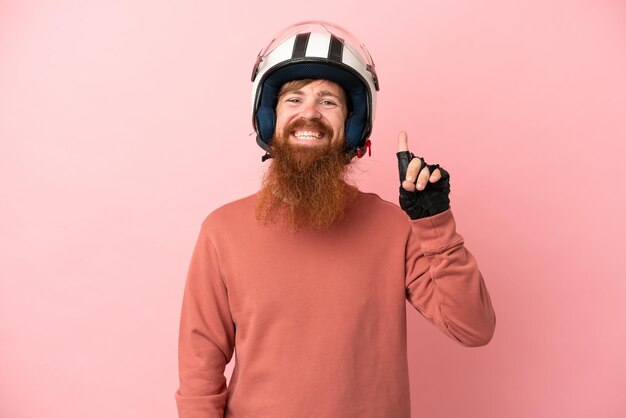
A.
pixel 313 115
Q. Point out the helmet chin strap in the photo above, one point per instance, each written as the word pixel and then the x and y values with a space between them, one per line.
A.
pixel 361 151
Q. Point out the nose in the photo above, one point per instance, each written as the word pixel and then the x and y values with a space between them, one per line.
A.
pixel 310 110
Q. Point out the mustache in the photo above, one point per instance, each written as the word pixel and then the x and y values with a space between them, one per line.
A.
pixel 309 124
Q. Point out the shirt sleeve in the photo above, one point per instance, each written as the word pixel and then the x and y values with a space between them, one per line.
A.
pixel 206 336
pixel 444 283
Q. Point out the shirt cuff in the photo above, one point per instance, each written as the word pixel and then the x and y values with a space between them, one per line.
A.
pixel 436 233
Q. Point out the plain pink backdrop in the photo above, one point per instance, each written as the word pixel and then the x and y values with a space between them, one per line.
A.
pixel 124 123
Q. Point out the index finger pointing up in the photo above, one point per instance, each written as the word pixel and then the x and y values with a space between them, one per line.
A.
pixel 403 142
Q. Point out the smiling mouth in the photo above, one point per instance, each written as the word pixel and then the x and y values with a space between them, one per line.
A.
pixel 308 135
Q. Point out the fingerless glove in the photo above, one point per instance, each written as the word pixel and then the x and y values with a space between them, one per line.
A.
pixel 433 199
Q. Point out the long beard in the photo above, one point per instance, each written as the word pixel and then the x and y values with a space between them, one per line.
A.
pixel 305 186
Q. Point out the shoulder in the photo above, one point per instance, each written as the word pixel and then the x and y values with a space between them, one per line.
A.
pixel 378 212
pixel 373 202
pixel 231 213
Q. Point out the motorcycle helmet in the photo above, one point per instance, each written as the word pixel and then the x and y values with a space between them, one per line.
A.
pixel 317 50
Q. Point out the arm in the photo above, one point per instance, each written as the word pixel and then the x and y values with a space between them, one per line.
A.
pixel 207 336
pixel 444 283
pixel 442 277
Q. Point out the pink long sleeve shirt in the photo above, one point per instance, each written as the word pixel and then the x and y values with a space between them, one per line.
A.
pixel 318 319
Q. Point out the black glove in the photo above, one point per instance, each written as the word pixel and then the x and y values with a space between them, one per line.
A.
pixel 433 199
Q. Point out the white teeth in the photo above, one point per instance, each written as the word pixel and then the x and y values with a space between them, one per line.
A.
pixel 307 135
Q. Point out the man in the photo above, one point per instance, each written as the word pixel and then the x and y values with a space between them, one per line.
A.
pixel 308 279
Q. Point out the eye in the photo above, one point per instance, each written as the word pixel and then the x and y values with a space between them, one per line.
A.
pixel 328 103
pixel 293 100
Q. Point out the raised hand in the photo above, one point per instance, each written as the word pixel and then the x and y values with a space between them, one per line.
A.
pixel 424 189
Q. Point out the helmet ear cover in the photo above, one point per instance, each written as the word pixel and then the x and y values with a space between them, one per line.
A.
pixel 357 127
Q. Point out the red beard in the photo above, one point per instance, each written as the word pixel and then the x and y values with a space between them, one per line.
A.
pixel 305 185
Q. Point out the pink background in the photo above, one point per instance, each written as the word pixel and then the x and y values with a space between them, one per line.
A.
pixel 124 123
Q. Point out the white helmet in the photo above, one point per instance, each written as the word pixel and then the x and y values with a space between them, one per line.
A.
pixel 318 50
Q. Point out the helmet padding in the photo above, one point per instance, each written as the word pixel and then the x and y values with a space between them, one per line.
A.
pixel 356 127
